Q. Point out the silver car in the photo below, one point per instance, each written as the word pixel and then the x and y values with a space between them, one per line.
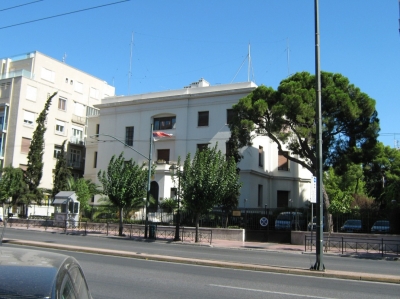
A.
pixel 28 273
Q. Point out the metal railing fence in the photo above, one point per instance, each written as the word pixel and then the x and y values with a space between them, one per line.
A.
pixel 344 245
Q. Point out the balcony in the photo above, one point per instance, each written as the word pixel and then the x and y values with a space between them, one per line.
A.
pixel 19 73
pixel 77 140
pixel 76 164
pixel 78 119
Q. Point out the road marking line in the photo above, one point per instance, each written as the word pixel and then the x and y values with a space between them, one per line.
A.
pixel 271 292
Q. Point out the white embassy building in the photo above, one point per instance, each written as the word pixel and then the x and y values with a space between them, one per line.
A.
pixel 26 81
pixel 196 116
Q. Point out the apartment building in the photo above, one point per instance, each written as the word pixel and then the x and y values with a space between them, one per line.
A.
pixel 192 118
pixel 26 81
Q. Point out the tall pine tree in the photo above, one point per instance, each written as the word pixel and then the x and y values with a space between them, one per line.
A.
pixel 62 173
pixel 33 173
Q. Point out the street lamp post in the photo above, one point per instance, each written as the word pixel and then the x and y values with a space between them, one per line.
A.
pixel 178 215
pixel 291 204
pixel 149 171
pixel 245 213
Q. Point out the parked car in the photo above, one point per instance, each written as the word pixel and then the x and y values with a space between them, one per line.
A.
pixel 381 226
pixel 290 220
pixel 351 225
pixel 29 273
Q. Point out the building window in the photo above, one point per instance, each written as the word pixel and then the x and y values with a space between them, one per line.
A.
pixel 230 113
pixel 283 162
pixel 202 146
pixel 24 167
pixel 164 123
pixel 75 158
pixel 129 135
pixel 5 89
pixel 97 128
pixel 228 150
pixel 25 144
pixel 79 109
pixel 282 199
pixel 78 87
pixel 57 151
pixel 31 93
pixel 77 135
pixel 203 119
pixel 29 118
pixel 173 192
pixel 60 127
pixel 260 195
pixel 95 160
pixel 260 156
pixel 48 75
pixel 62 104
pixel 163 155
pixel 94 93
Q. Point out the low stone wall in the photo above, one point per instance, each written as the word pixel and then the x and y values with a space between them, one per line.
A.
pixel 228 234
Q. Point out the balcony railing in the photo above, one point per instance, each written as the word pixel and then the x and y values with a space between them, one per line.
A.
pixel 76 164
pixel 19 73
pixel 79 119
pixel 77 140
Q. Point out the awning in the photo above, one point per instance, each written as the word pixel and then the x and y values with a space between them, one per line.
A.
pixel 59 201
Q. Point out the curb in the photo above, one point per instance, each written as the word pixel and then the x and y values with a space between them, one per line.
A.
pixel 212 263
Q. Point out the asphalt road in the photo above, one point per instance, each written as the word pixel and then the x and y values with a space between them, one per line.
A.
pixel 261 257
pixel 118 277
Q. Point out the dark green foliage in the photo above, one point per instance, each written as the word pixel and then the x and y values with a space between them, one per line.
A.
pixel 287 116
pixel 12 185
pixel 33 173
pixel 125 184
pixel 382 175
pixel 207 181
pixel 62 173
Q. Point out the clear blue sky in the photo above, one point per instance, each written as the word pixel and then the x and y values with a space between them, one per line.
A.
pixel 177 42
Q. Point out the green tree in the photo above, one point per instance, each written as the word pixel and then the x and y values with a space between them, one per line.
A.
pixel 62 173
pixel 287 116
pixel 206 181
pixel 34 171
pixel 383 175
pixel 340 196
pixel 85 189
pixel 125 184
pixel 168 205
pixel 12 185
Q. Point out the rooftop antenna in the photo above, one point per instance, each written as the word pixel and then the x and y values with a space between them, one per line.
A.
pixel 288 56
pixel 130 67
pixel 249 67
pixel 65 56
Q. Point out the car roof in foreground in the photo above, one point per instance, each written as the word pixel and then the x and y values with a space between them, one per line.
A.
pixel 28 273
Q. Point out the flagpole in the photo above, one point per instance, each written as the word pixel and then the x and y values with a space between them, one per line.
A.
pixel 146 225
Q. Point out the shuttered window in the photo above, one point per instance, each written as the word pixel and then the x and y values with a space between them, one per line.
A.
pixel 283 199
pixel 283 162
pixel 203 119
pixel 31 93
pixel 25 143
pixel 29 118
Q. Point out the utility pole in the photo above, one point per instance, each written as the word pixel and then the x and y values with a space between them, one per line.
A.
pixel 319 263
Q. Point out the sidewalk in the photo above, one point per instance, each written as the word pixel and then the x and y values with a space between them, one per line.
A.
pixel 294 249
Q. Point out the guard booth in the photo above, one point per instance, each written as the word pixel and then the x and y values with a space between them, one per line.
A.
pixel 66 208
